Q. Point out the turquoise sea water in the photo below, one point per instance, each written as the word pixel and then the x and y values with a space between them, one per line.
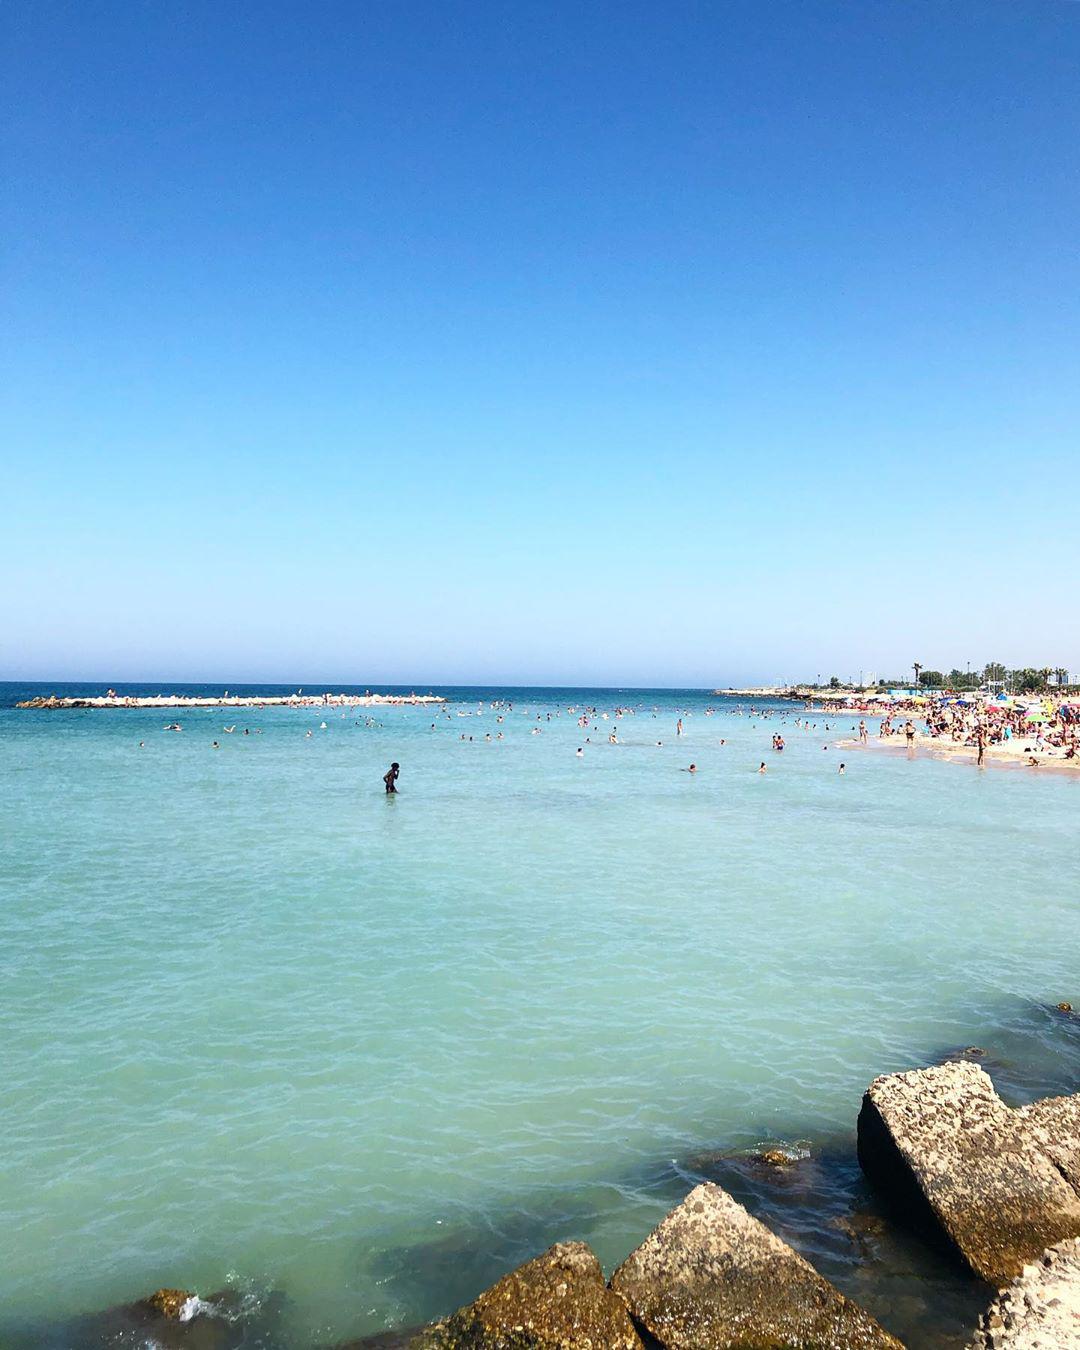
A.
pixel 262 1026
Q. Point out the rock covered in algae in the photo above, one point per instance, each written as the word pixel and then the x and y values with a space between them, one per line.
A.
pixel 558 1301
pixel 950 1151
pixel 711 1277
pixel 177 1319
pixel 173 1304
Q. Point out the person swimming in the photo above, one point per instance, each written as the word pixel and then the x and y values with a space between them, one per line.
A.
pixel 391 776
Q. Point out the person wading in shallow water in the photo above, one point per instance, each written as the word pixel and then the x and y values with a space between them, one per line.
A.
pixel 391 776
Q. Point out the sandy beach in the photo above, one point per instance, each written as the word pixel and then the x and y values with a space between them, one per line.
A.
pixel 1010 754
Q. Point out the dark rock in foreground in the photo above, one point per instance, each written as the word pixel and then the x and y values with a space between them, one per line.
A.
pixel 383 1340
pixel 950 1151
pixel 170 1319
pixel 1040 1310
pixel 711 1277
pixel 558 1301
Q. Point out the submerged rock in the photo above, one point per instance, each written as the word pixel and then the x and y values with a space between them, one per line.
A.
pixel 711 1277
pixel 175 1304
pixel 951 1153
pixel 383 1340
pixel 779 1157
pixel 863 1229
pixel 176 1319
pixel 763 1161
pixel 1040 1310
pixel 558 1301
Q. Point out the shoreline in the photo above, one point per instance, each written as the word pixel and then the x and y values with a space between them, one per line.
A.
pixel 233 701
pixel 1002 756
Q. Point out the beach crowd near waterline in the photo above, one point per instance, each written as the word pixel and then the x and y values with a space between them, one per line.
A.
pixel 1037 731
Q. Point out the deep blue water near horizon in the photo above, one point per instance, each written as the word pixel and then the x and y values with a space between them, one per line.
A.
pixel 265 1029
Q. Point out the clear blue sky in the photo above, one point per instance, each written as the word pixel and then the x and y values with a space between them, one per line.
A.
pixel 608 343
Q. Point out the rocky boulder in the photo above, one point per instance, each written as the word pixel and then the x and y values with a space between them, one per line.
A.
pixel 170 1319
pixel 557 1301
pixel 1040 1310
pixel 711 1277
pixel 951 1153
pixel 173 1304
pixel 1054 1127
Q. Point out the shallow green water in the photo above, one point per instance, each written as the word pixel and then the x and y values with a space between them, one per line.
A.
pixel 263 1026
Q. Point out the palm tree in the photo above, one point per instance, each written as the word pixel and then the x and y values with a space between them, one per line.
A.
pixel 918 667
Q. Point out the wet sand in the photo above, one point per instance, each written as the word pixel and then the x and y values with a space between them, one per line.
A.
pixel 1011 755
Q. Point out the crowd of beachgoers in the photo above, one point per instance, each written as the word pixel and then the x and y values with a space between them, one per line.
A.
pixel 1032 729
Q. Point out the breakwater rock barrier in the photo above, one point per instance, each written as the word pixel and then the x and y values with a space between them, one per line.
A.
pixel 232 701
pixel 999 1186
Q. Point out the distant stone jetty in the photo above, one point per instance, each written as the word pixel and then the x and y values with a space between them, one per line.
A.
pixel 794 692
pixel 227 700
